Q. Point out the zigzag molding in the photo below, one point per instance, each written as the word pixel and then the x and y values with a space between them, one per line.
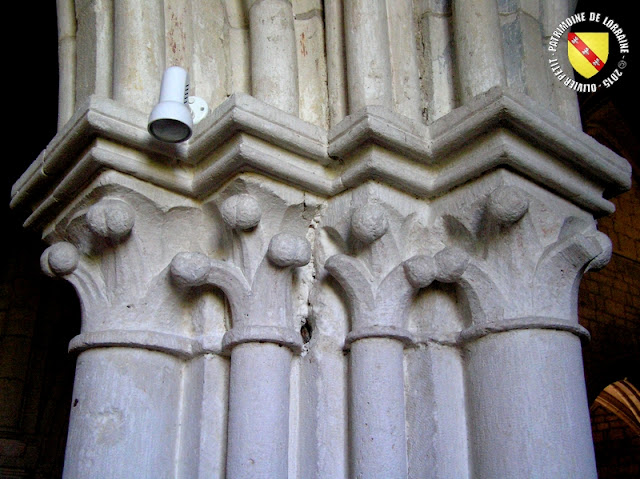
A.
pixel 245 134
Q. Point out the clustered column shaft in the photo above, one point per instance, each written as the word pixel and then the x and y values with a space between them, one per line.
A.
pixel 258 431
pixel 429 248
pixel 274 69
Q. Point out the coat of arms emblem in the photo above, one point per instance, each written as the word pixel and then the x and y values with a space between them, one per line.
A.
pixel 588 52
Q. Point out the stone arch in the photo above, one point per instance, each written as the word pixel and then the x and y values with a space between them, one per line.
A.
pixel 615 418
pixel 621 398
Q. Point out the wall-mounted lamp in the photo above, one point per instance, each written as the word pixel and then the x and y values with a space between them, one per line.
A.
pixel 172 119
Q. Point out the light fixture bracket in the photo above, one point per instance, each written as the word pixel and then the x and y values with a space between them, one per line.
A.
pixel 199 108
pixel 175 114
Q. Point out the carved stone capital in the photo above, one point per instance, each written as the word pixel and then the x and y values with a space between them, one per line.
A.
pixel 431 251
pixel 256 275
pixel 260 306
pixel 516 252
pixel 510 254
pixel 114 244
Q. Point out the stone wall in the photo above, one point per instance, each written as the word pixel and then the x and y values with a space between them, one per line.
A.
pixel 610 300
pixel 38 317
pixel 617 446
pixel 609 305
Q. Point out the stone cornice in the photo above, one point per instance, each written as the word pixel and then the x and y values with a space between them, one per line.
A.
pixel 245 134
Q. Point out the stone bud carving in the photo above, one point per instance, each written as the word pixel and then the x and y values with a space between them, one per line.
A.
pixel 421 270
pixel 111 219
pixel 379 296
pixel 369 223
pixel 507 205
pixel 60 259
pixel 259 300
pixel 286 250
pixel 241 212
pixel 451 264
pixel 190 269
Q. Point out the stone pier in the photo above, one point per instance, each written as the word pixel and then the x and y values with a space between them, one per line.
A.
pixel 364 263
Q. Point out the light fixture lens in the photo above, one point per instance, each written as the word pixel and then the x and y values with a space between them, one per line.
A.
pixel 171 122
pixel 170 130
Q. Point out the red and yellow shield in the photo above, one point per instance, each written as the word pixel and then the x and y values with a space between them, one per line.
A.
pixel 588 52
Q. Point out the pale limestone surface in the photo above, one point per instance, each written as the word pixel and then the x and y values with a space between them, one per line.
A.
pixel 363 264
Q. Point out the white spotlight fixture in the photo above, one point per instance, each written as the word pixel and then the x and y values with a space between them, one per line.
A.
pixel 172 119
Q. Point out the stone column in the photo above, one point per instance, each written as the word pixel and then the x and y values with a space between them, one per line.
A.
pixel 274 69
pixel 478 46
pixel 131 351
pixel 531 407
pixel 115 411
pixel 138 48
pixel 565 101
pixel 262 337
pixel 376 342
pixel 515 328
pixel 367 51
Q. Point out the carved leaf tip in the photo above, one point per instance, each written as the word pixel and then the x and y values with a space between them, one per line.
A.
pixel 451 264
pixel 189 269
pixel 508 205
pixel 420 270
pixel 111 219
pixel 241 212
pixel 59 259
pixel 369 223
pixel 288 250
